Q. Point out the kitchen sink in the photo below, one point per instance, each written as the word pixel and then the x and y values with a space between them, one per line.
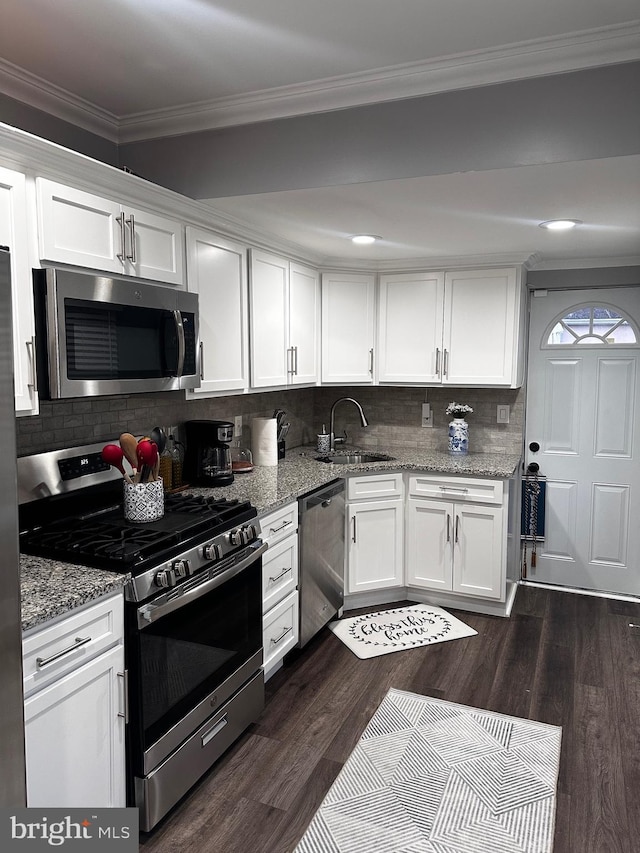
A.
pixel 354 458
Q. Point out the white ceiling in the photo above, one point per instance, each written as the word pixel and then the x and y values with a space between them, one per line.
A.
pixel 148 67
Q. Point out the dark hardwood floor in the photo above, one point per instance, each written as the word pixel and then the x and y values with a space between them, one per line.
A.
pixel 569 660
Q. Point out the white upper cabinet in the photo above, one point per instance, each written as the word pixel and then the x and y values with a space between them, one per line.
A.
pixel 348 317
pixel 77 227
pixel 284 311
pixel 14 234
pixel 304 324
pixel 217 272
pixel 453 328
pixel 482 328
pixel 410 327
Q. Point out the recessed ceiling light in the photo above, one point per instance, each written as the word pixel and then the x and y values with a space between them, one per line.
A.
pixel 364 239
pixel 560 224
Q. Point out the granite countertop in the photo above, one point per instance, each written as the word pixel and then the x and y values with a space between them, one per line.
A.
pixel 51 588
pixel 299 473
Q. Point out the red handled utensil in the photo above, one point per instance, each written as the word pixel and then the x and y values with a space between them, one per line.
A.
pixel 113 455
pixel 147 453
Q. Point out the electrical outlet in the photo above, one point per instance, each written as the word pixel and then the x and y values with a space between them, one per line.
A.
pixel 502 414
pixel 427 415
pixel 237 426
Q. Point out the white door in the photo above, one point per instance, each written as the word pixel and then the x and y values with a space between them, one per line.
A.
pixel 375 552
pixel 217 272
pixel 410 327
pixel 155 247
pixel 583 409
pixel 304 324
pixel 478 538
pixel 348 328
pixel 269 319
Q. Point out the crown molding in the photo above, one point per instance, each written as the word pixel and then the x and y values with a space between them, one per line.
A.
pixel 29 89
pixel 586 263
pixel 533 58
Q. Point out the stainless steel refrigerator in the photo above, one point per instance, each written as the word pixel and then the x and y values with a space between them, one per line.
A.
pixel 12 763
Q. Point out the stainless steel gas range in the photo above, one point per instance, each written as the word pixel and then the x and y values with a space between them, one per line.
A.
pixel 193 612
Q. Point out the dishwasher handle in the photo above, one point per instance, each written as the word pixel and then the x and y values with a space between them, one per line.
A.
pixel 322 497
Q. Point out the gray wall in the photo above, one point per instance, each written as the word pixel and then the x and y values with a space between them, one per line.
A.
pixel 574 116
pixel 394 415
pixel 49 127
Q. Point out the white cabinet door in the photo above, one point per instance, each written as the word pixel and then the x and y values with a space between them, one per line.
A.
pixel 77 227
pixel 217 272
pixel 304 324
pixel 80 228
pixel 375 545
pixel 348 314
pixel 269 319
pixel 74 738
pixel 14 234
pixel 479 551
pixel 155 246
pixel 429 560
pixel 410 310
pixel 481 326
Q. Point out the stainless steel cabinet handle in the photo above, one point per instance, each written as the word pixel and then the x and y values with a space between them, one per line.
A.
pixel 453 489
pixel 295 369
pixel 290 360
pixel 353 523
pixel 122 254
pixel 282 526
pixel 281 575
pixel 371 361
pixel 445 363
pixel 457 526
pixel 276 640
pixel 437 361
pixel 79 641
pixel 133 255
pixel 125 689
pixel 448 528
pixel 207 736
pixel 31 352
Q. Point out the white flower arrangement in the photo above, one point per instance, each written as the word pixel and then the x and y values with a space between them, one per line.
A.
pixel 458 410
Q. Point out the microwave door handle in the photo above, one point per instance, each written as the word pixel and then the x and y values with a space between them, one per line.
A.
pixel 177 319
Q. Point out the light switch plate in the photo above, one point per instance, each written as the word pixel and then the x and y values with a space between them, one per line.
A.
pixel 502 414
pixel 427 415
pixel 237 426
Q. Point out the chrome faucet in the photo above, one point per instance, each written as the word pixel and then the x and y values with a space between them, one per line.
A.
pixel 341 440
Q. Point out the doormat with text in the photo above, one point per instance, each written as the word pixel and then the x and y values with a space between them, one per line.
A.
pixel 397 630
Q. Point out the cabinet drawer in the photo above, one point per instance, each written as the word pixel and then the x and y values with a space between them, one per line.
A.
pixel 280 629
pixel 51 652
pixel 279 572
pixel 457 488
pixel 378 485
pixel 279 523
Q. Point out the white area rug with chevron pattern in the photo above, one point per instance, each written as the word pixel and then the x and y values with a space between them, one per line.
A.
pixel 399 629
pixel 429 776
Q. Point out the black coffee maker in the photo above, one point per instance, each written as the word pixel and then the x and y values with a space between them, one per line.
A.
pixel 207 458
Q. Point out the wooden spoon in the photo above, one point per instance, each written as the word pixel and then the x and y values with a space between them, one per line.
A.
pixel 129 446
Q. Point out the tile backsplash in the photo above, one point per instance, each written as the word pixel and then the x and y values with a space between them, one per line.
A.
pixel 394 416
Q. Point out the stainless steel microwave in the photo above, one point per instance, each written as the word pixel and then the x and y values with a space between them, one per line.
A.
pixel 101 335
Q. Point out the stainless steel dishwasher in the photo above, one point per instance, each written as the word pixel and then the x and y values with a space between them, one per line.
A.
pixel 321 551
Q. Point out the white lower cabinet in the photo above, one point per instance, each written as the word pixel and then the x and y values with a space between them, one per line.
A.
pixel 75 709
pixel 280 626
pixel 374 532
pixel 457 544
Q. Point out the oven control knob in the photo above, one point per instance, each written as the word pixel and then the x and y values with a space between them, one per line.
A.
pixel 235 536
pixel 248 533
pixel 182 568
pixel 166 578
pixel 212 551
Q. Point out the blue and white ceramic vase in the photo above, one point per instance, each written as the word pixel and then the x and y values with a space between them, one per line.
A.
pixel 458 436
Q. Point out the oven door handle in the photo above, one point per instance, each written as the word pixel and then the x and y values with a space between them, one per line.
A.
pixel 150 612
